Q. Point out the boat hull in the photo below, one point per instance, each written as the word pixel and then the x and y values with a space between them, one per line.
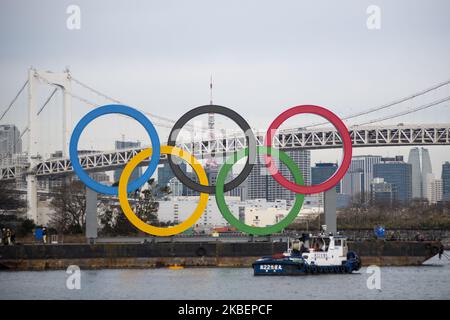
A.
pixel 285 267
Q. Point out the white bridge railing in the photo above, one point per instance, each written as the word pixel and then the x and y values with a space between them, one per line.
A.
pixel 399 135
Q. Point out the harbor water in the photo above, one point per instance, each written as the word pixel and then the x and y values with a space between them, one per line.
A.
pixel 429 281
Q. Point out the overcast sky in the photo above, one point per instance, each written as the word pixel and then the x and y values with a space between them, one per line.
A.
pixel 264 56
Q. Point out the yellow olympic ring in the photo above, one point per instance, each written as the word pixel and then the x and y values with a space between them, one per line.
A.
pixel 134 219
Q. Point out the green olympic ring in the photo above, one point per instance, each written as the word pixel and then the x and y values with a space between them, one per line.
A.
pixel 228 215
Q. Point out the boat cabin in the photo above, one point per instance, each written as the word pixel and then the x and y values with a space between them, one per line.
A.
pixel 321 249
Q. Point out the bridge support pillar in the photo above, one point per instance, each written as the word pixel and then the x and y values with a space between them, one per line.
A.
pixel 32 200
pixel 329 204
pixel 91 215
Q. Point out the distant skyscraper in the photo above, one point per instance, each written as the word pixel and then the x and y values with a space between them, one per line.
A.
pixel 261 185
pixel 359 175
pixel 257 181
pixel 176 187
pixel 397 173
pixel 120 145
pixel 10 140
pixel 165 173
pixel 435 191
pixel 427 174
pixel 303 160
pixel 427 182
pixel 446 181
pixel 422 175
pixel 322 172
pixel 239 191
pixel 353 183
pixel 381 192
pixel 211 174
pixel 414 160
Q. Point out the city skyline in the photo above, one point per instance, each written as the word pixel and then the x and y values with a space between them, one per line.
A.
pixel 360 179
pixel 326 57
pixel 173 150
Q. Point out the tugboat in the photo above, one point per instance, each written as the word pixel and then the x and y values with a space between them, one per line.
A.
pixel 310 255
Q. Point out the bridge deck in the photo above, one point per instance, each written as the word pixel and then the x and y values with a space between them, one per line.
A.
pixel 399 135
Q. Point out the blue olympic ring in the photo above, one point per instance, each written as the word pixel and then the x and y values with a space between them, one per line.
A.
pixel 108 109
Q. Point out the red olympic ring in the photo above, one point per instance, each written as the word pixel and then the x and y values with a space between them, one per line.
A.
pixel 346 140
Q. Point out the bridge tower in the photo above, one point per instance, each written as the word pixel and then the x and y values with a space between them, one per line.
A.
pixel 61 80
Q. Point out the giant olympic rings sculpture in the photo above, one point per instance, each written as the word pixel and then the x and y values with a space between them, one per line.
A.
pixel 251 152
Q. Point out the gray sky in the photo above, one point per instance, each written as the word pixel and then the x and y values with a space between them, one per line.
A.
pixel 265 56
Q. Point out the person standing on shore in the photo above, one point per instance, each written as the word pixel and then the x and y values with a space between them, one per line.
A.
pixel 13 237
pixel 8 236
pixel 44 235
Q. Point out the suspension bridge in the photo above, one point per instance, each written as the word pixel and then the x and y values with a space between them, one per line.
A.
pixel 368 133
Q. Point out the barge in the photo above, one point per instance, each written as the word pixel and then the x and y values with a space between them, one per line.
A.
pixel 194 254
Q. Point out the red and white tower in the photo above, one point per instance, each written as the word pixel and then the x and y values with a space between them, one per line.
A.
pixel 211 163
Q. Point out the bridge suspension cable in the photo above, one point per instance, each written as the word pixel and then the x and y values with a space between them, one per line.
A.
pixel 107 97
pixel 14 100
pixel 422 107
pixel 25 130
pixel 84 100
pixel 115 100
pixel 47 101
pixel 385 106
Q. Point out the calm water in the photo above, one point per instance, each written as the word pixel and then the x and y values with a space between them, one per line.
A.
pixel 430 281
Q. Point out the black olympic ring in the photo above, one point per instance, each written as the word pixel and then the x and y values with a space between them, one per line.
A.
pixel 240 121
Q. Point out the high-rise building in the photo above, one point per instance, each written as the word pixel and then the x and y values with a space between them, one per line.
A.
pixel 435 191
pixel 188 191
pixel 303 160
pixel 257 181
pixel 414 160
pixel 427 174
pixel 10 140
pixel 398 174
pixel 137 172
pixel 446 181
pixel 211 173
pixel 359 175
pixel 422 174
pixel 240 191
pixel 261 185
pixel 165 173
pixel 322 172
pixel 427 181
pixel 381 192
pixel 353 183
pixel 176 187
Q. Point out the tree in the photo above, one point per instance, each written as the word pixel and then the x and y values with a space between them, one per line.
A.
pixel 26 227
pixel 9 199
pixel 69 203
pixel 145 205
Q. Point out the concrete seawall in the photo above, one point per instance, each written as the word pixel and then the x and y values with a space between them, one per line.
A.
pixel 191 254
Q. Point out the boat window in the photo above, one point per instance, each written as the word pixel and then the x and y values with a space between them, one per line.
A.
pixel 337 242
